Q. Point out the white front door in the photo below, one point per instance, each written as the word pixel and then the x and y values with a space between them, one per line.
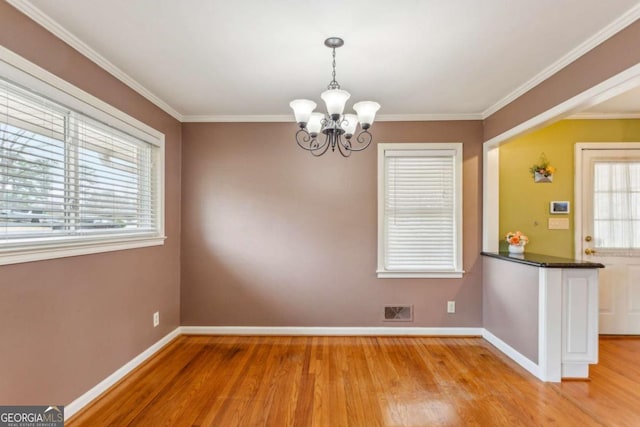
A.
pixel 610 231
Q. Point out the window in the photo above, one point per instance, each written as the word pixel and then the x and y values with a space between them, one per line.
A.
pixel 71 183
pixel 616 205
pixel 420 210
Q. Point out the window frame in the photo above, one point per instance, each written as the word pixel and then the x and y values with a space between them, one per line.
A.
pixel 457 271
pixel 24 73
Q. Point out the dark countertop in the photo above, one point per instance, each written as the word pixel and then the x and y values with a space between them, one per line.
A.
pixel 546 261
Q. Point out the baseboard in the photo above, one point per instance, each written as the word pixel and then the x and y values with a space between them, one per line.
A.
pixel 88 397
pixel 512 353
pixel 328 331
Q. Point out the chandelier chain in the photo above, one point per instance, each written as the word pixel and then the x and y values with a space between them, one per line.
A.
pixel 333 84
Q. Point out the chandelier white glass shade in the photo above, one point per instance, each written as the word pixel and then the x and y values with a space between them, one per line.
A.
pixel 338 128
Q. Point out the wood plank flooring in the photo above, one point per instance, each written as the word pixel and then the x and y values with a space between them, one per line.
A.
pixel 362 381
pixel 613 394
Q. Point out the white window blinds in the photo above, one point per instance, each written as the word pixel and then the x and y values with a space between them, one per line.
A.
pixel 421 210
pixel 65 175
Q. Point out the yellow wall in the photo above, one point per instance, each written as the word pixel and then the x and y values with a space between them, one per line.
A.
pixel 524 205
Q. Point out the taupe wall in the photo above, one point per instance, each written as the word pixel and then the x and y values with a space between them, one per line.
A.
pixel 510 304
pixel 67 324
pixel 604 61
pixel 273 236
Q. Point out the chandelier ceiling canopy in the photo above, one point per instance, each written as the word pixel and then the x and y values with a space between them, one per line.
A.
pixel 337 127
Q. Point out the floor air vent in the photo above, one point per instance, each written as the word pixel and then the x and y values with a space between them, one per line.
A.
pixel 398 313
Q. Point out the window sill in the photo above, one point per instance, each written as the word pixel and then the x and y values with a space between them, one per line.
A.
pixel 53 250
pixel 420 274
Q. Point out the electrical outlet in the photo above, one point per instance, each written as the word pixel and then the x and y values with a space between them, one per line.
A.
pixel 451 306
pixel 156 319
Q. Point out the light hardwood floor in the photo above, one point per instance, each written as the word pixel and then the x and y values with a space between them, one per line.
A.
pixel 362 381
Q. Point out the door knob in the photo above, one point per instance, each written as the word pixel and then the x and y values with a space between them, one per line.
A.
pixel 588 238
pixel 589 251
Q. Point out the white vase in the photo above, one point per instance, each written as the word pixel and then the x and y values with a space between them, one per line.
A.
pixel 516 249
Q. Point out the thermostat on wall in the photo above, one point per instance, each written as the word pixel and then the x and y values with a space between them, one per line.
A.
pixel 559 207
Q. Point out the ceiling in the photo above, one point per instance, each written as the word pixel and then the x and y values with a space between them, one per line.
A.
pixel 625 105
pixel 246 59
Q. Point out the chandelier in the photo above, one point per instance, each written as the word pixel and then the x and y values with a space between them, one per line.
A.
pixel 334 125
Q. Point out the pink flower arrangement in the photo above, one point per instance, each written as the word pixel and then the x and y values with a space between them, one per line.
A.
pixel 517 238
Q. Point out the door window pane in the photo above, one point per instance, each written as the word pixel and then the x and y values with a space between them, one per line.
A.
pixel 616 200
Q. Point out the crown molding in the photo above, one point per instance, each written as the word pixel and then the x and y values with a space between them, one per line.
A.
pixel 603 116
pixel 57 30
pixel 214 118
pixel 427 117
pixel 231 118
pixel 614 27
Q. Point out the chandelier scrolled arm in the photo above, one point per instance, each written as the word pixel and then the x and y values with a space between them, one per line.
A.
pixel 308 142
pixel 364 137
pixel 322 148
pixel 337 127
pixel 344 147
pixel 303 138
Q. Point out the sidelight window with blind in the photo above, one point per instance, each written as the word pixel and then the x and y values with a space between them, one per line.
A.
pixel 420 210
pixel 70 183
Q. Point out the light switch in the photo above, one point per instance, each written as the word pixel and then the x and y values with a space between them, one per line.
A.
pixel 558 223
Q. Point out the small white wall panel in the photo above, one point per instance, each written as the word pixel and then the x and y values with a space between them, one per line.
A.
pixel 576 294
pixel 580 316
